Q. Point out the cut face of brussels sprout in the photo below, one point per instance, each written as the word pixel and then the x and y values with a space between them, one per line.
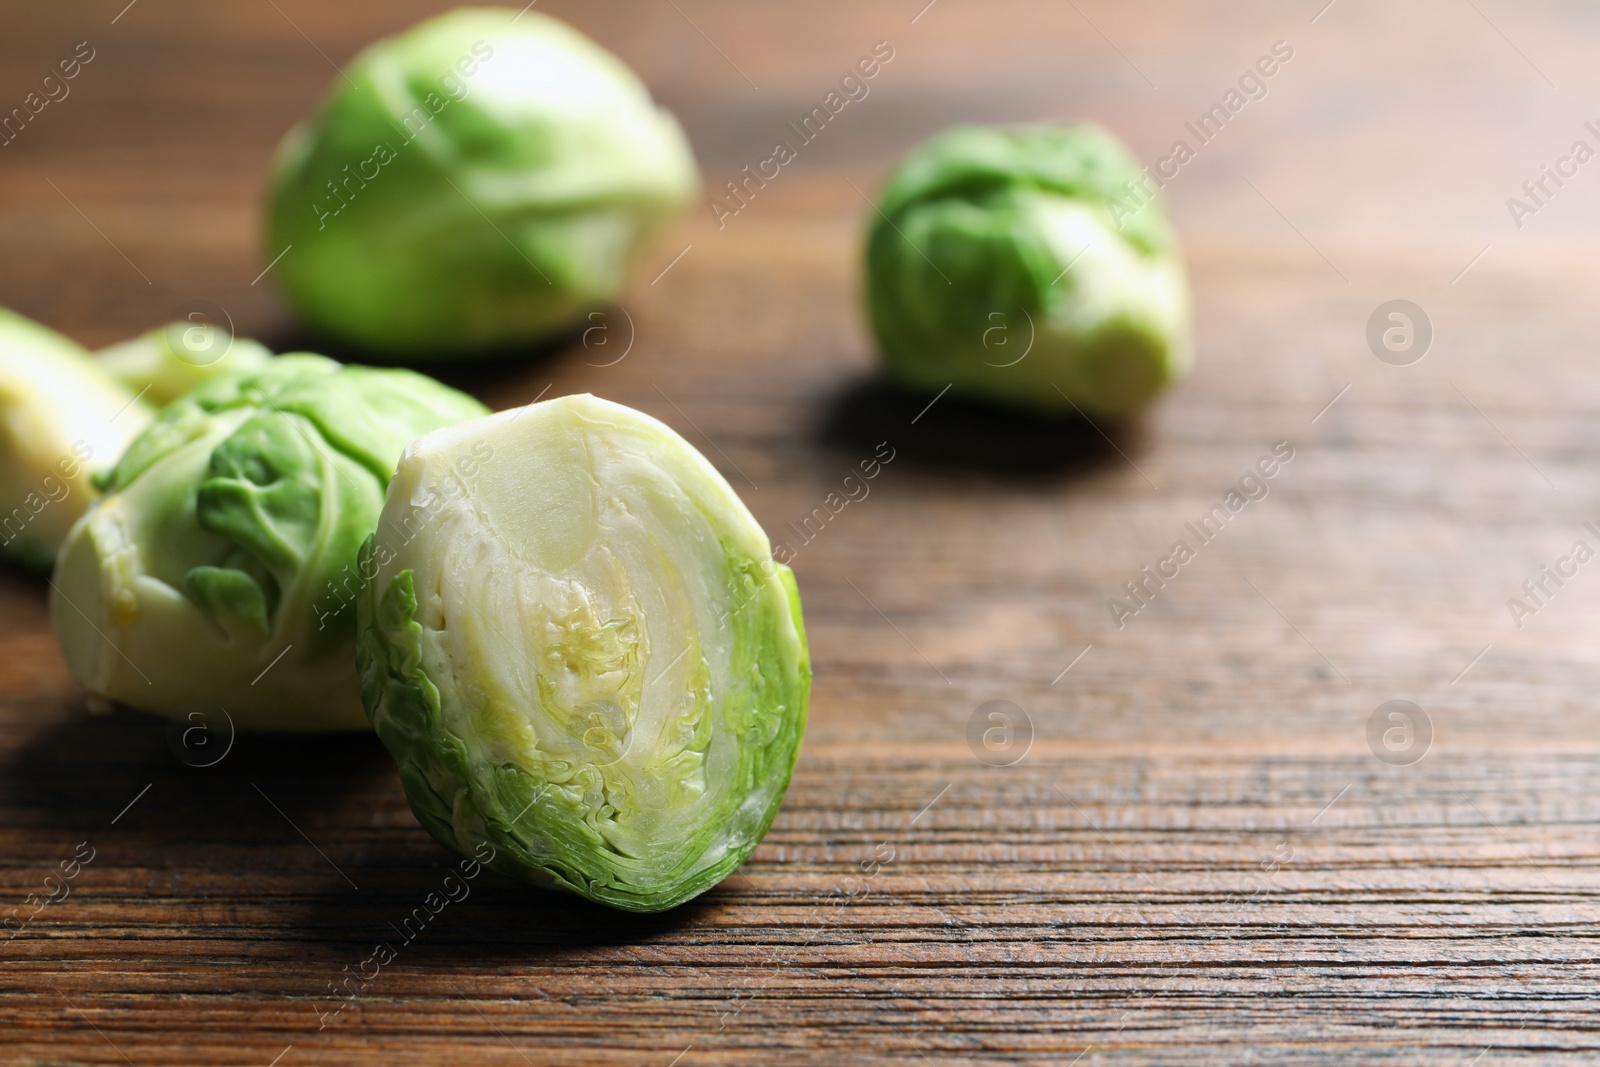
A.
pixel 166 363
pixel 475 183
pixel 219 569
pixel 1025 265
pixel 61 420
pixel 578 648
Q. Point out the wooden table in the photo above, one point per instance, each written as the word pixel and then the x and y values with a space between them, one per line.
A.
pixel 1200 857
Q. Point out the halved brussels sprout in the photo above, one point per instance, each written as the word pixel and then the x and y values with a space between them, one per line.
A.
pixel 61 420
pixel 219 569
pixel 578 648
pixel 472 184
pixel 1028 265
pixel 163 364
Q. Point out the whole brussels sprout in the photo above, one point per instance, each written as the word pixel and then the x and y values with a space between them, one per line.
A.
pixel 163 364
pixel 61 420
pixel 218 570
pixel 579 650
pixel 472 184
pixel 1025 265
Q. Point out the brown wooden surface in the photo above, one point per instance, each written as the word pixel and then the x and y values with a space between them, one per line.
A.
pixel 1200 860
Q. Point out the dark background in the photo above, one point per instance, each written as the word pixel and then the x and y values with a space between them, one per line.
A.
pixel 1202 856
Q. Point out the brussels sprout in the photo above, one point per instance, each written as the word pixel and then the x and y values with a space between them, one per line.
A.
pixel 472 184
pixel 219 567
pixel 167 362
pixel 579 650
pixel 1025 265
pixel 61 420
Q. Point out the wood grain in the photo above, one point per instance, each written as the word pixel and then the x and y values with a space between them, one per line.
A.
pixel 1199 859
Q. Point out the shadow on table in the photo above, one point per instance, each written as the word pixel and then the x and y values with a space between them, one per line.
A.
pixel 360 868
pixel 88 774
pixel 435 917
pixel 951 435
pixel 485 375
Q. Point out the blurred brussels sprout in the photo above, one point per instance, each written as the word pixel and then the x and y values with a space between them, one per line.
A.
pixel 61 420
pixel 1027 265
pixel 472 184
pixel 219 568
pixel 579 650
pixel 167 362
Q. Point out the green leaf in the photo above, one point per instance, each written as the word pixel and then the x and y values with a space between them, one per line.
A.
pixel 223 562
pixel 231 596
pixel 266 491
